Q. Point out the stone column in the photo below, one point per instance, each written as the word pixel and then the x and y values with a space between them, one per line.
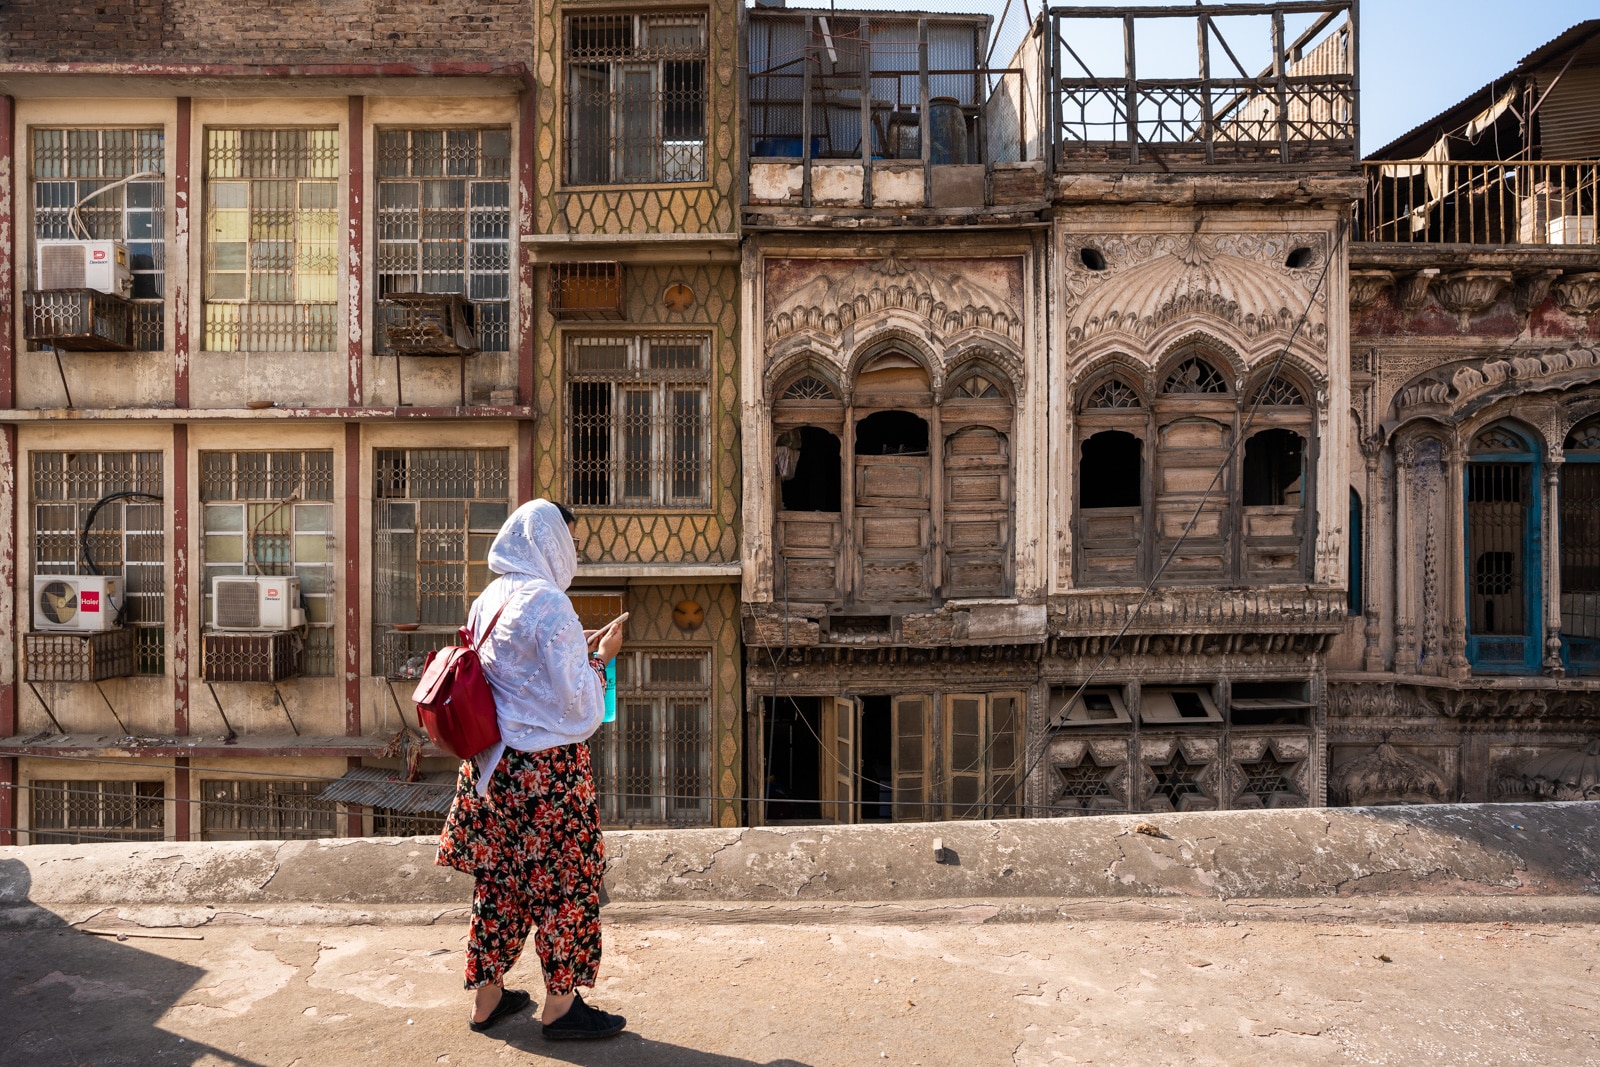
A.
pixel 1550 577
pixel 1377 529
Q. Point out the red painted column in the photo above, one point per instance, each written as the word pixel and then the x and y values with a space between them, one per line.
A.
pixel 353 642
pixel 355 297
pixel 178 628
pixel 178 279
pixel 8 474
pixel 182 794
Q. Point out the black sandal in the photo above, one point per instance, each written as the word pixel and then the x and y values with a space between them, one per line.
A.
pixel 584 1023
pixel 511 1002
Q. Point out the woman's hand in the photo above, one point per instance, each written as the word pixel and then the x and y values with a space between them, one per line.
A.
pixel 608 642
pixel 591 638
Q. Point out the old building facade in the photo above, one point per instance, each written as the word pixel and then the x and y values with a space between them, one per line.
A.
pixel 394 269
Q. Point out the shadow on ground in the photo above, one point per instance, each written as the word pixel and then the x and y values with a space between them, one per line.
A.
pixel 631 1050
pixel 78 998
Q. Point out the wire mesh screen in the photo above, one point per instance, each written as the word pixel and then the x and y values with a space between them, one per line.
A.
pixel 638 417
pixel 1497 527
pixel 127 537
pixel 436 513
pixel 264 810
pixel 271 513
pixel 271 252
pixel 635 98
pixel 73 811
pixel 70 168
pixel 652 765
pixel 444 221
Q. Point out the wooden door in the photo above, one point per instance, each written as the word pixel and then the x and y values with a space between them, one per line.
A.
pixel 977 513
pixel 909 729
pixel 840 766
pixel 893 528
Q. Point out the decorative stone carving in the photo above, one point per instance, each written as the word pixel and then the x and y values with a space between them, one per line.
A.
pixel 1387 776
pixel 1150 281
pixel 1565 774
pixel 1531 289
pixel 1467 383
pixel 1366 286
pixel 1466 292
pixel 1578 294
pixel 1412 289
pixel 952 295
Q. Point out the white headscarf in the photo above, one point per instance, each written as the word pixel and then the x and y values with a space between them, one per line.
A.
pixel 536 660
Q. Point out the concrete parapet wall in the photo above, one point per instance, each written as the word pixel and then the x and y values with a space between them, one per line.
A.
pixel 1456 851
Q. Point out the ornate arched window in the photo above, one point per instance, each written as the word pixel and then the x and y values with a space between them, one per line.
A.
pixel 1278 392
pixel 1111 395
pixel 1504 594
pixel 1194 375
pixel 809 387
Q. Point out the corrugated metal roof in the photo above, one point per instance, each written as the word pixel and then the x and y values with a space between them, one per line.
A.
pixel 1569 118
pixel 379 787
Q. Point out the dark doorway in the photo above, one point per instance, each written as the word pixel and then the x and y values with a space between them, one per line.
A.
pixel 877 766
pixel 1274 461
pixel 814 483
pixel 1109 473
pixel 892 433
pixel 791 726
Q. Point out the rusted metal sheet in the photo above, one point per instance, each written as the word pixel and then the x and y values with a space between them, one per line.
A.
pixel 178 262
pixel 353 291
pixel 46 744
pixel 379 787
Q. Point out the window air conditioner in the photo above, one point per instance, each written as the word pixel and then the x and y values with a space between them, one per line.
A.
pixel 81 603
pixel 253 602
pixel 101 265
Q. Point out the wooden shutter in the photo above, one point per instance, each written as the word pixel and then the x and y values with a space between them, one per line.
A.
pixel 847 721
pixel 1005 753
pixel 977 520
pixel 964 743
pixel 1189 451
pixel 910 728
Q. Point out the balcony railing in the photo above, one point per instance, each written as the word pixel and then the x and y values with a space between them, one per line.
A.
pixel 1494 202
pixel 1112 108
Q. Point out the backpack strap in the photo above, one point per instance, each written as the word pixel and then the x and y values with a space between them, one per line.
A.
pixel 492 623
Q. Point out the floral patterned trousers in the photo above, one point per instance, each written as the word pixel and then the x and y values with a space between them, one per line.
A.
pixel 533 845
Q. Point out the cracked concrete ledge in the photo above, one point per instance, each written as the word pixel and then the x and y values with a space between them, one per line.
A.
pixel 1472 861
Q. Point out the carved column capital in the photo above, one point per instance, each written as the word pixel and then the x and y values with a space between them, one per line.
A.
pixel 1467 292
pixel 1530 289
pixel 1412 289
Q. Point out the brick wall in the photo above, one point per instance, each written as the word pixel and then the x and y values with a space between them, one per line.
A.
pixel 265 31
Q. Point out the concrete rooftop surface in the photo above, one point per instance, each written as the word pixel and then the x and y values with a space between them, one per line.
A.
pixel 1456 935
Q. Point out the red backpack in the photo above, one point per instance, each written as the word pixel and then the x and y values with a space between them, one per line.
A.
pixel 453 697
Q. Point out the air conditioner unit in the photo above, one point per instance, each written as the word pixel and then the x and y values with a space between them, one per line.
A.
pixel 101 265
pixel 253 602
pixel 82 603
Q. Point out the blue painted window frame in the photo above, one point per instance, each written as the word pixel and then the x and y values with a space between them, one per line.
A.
pixel 1510 653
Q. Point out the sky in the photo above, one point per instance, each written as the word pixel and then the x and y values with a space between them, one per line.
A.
pixel 1418 57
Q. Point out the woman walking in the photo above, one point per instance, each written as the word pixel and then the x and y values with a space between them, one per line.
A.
pixel 524 822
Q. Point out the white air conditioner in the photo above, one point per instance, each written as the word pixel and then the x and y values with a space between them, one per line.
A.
pixel 81 603
pixel 101 265
pixel 253 602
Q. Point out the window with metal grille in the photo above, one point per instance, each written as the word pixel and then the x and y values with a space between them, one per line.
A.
pixel 108 185
pixel 436 511
pixel 635 98
pixel 388 822
pixel 272 513
pixel 127 537
pixel 638 418
pixel 653 764
pixel 74 811
pixel 444 221
pixel 1580 547
pixel 264 810
pixel 272 240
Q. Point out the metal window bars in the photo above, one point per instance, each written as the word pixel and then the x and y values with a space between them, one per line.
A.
pixel 245 809
pixel 128 536
pixel 1496 202
pixel 271 513
pixel 639 415
pixel 70 811
pixel 70 167
pixel 1295 103
pixel 653 764
pixel 635 98
pixel 271 251
pixel 435 515
pixel 589 290
pixel 444 222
